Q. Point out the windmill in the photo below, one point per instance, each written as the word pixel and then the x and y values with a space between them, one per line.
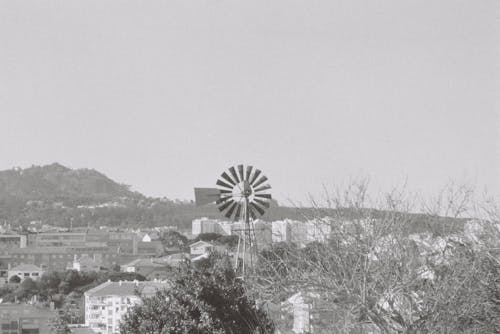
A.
pixel 241 195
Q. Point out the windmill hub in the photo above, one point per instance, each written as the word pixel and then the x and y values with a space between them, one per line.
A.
pixel 247 189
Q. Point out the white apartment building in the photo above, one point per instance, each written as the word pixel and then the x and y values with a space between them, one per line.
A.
pixel 299 232
pixel 106 304
pixel 205 225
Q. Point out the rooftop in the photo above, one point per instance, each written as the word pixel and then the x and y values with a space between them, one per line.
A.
pixel 126 288
pixel 26 267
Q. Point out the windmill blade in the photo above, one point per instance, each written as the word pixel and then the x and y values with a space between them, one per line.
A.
pixel 261 202
pixel 224 191
pixel 255 176
pixel 223 184
pixel 268 196
pixel 265 187
pixel 233 173
pixel 262 180
pixel 258 208
pixel 249 171
pixel 231 209
pixel 240 172
pixel 228 179
pixel 226 205
pixel 223 199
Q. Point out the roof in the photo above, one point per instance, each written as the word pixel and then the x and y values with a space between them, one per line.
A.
pixel 201 242
pixel 143 262
pixel 82 330
pixel 25 310
pixel 125 288
pixel 86 260
pixel 26 267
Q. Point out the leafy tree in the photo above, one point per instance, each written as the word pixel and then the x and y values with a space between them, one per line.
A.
pixel 210 301
pixel 59 325
pixel 15 279
pixel 207 237
pixel 174 239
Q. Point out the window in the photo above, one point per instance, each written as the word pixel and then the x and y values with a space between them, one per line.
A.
pixel 34 274
pixel 26 274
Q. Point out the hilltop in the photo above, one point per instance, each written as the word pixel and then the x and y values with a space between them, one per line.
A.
pixel 57 182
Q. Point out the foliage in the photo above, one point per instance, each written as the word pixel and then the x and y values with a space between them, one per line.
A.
pixel 59 325
pixel 14 279
pixel 208 301
pixel 370 270
pixel 54 286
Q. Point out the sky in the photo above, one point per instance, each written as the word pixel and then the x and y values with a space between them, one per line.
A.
pixel 165 95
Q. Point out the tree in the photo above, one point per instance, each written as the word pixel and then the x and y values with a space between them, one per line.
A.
pixel 209 301
pixel 371 269
pixel 59 325
pixel 15 279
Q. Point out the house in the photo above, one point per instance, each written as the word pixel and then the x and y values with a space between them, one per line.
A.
pixel 106 304
pixel 201 247
pixel 148 268
pixel 24 271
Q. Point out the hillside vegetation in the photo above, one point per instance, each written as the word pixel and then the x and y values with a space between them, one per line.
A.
pixel 60 196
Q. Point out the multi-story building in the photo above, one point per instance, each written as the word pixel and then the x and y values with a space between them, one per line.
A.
pixel 12 241
pixel 60 258
pixel 60 239
pixel 299 232
pixel 205 225
pixel 282 230
pixel 106 304
pixel 25 319
pixel 123 242
pixel 262 231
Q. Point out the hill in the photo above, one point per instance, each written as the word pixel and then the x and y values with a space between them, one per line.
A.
pixel 56 182
pixel 60 196
pixel 57 195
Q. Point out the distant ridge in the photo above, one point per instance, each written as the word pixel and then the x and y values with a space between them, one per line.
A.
pixel 55 181
pixel 60 196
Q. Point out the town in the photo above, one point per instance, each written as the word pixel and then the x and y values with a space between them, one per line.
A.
pixel 97 272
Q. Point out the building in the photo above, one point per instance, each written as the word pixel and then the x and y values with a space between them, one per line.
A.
pixel 106 304
pixel 149 248
pixel 24 271
pixel 206 225
pixel 123 242
pixel 60 239
pixel 148 268
pixel 25 319
pixel 262 231
pixel 60 258
pixel 85 263
pixel 282 230
pixel 12 241
pixel 200 248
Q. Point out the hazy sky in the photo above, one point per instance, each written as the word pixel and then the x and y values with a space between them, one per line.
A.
pixel 164 95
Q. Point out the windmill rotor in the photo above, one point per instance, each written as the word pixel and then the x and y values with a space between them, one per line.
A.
pixel 243 189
